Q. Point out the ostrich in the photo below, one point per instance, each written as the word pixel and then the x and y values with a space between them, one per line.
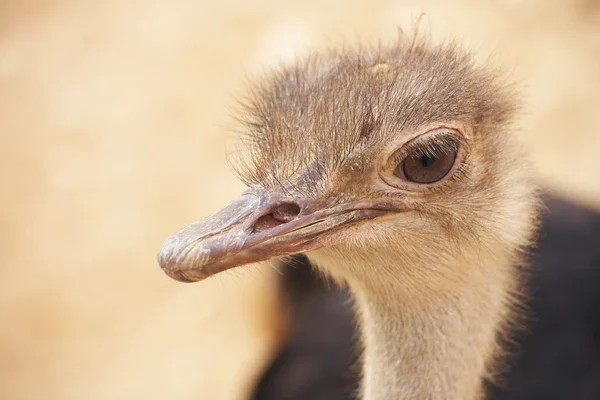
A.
pixel 396 171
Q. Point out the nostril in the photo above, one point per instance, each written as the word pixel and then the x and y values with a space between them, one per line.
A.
pixel 281 214
pixel 286 212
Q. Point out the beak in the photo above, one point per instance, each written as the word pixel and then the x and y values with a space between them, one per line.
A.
pixel 256 227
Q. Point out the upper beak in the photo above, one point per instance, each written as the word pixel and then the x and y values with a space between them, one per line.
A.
pixel 256 227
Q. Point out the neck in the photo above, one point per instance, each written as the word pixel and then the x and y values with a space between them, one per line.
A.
pixel 434 343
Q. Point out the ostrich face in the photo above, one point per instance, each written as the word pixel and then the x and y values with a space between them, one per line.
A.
pixel 355 155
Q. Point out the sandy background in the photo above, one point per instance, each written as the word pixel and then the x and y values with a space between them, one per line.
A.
pixel 114 120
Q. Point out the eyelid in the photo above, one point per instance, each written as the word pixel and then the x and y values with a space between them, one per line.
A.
pixel 422 145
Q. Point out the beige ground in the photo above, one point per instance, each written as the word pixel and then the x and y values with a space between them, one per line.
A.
pixel 113 121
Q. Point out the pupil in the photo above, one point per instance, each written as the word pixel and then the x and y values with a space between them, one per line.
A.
pixel 426 161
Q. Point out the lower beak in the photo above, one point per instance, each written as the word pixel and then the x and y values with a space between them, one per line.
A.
pixel 251 229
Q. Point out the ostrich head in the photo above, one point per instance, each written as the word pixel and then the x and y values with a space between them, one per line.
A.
pixel 400 153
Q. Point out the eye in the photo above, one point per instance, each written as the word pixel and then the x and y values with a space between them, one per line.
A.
pixel 429 158
pixel 426 168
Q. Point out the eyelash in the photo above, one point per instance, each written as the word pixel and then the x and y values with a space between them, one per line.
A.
pixel 432 146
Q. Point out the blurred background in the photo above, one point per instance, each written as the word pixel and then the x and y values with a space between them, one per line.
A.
pixel 115 120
